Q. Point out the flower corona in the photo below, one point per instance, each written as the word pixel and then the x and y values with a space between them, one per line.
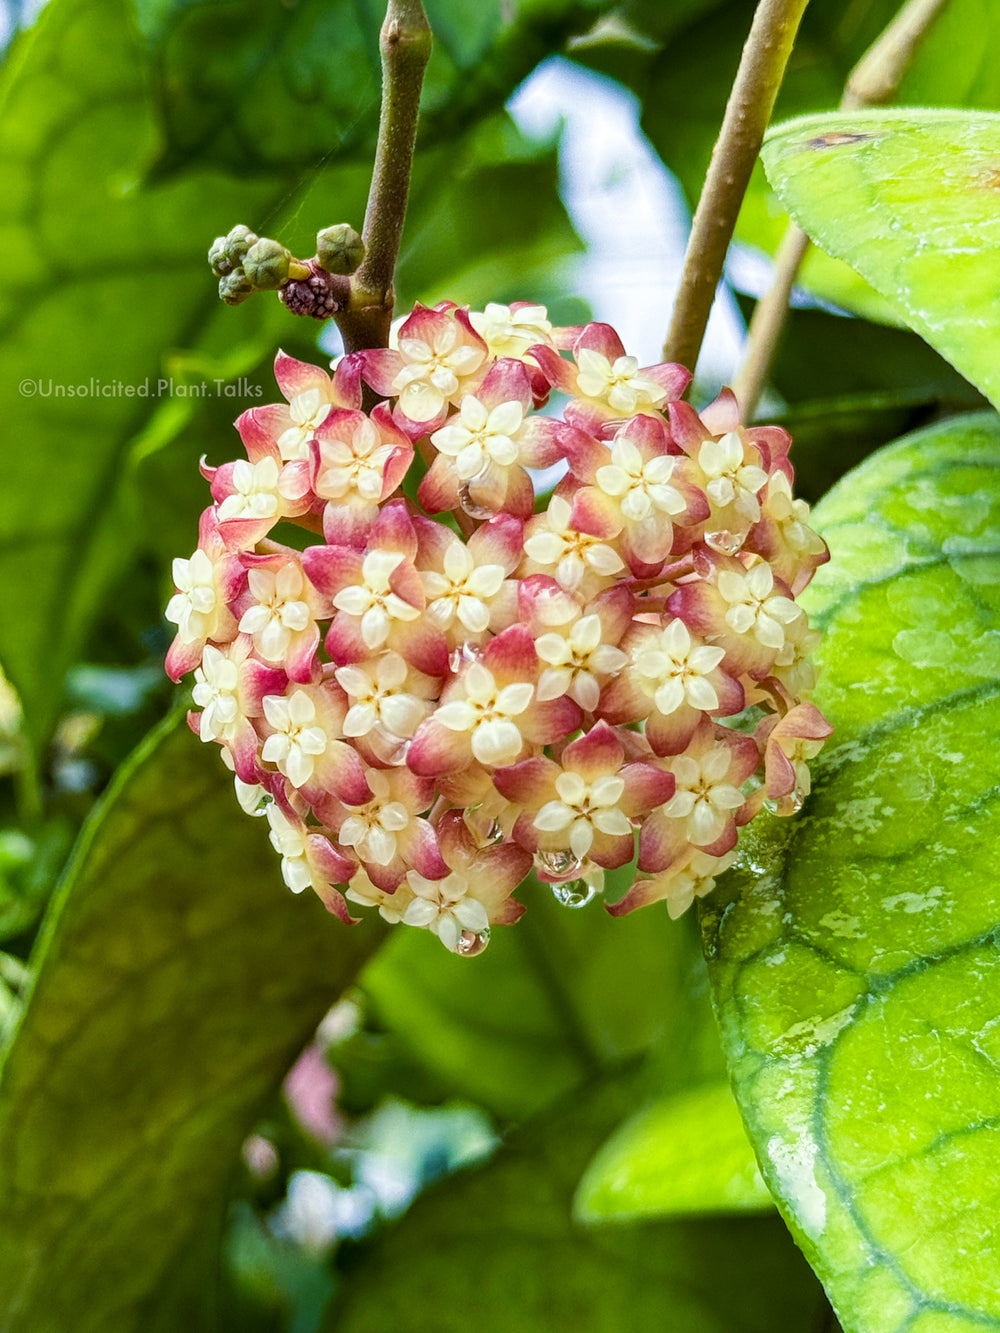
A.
pixel 440 694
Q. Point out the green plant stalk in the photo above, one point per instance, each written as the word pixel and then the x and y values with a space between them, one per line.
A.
pixel 405 44
pixel 873 81
pixel 748 112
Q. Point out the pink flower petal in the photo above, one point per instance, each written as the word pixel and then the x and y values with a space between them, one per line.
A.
pixel 422 644
pixel 506 382
pixel 296 377
pixel 330 568
pixel 530 783
pixel 511 656
pixel 600 338
pixel 379 368
pixel 435 750
pixel 258 440
pixel 598 751
pixel 438 490
pixel 646 787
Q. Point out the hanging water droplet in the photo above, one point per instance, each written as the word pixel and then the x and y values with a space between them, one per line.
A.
pixel 795 800
pixel 725 542
pixel 574 893
pixel 771 807
pixel 558 863
pixel 482 494
pixel 473 501
pixel 471 942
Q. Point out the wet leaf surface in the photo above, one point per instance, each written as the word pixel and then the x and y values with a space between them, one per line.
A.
pixel 909 199
pixel 854 960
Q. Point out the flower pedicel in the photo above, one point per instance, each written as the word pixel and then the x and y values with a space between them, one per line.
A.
pixel 435 698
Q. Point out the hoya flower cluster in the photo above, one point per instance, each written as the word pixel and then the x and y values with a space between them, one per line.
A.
pixel 440 693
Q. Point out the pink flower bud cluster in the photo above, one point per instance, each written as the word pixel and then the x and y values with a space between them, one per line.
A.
pixel 437 694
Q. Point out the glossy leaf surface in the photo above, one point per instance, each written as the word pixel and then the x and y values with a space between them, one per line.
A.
pixel 854 958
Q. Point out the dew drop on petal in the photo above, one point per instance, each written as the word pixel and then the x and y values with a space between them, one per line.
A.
pixel 485 832
pixel 574 893
pixel 725 542
pixel 772 807
pixel 389 748
pixel 472 942
pixel 479 500
pixel 558 863
pixel 462 656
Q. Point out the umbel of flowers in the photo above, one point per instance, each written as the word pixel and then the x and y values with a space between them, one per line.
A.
pixel 432 696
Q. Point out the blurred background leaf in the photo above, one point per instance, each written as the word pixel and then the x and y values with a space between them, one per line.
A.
pixel 175 984
pixel 498 1244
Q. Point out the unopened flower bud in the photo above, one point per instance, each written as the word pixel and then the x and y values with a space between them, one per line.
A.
pixel 234 288
pixel 237 243
pixel 218 262
pixel 266 264
pixel 339 249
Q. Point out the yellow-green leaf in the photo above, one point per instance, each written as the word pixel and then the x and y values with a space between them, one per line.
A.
pixel 911 200
pixel 683 1154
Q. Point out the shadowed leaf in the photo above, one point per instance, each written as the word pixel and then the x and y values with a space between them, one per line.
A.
pixel 177 980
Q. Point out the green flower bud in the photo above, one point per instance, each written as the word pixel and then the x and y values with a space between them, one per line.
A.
pixel 339 249
pixel 234 288
pixel 218 262
pixel 266 264
pixel 238 242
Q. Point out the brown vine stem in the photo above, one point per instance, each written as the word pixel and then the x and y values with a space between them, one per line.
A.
pixel 748 111
pixel 873 81
pixel 405 46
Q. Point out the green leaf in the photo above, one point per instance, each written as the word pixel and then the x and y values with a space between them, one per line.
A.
pixel 252 88
pixel 543 1010
pixel 499 1243
pixel 177 980
pixel 684 86
pixel 101 277
pixel 854 959
pixel 908 199
pixel 683 1154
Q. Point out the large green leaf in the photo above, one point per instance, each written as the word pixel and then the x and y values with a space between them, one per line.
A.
pixel 854 958
pixel 909 199
pixel 497 1248
pixel 254 88
pixel 102 278
pixel 176 981
pixel 683 1154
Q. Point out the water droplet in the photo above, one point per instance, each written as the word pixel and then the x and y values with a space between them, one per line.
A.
pixel 574 893
pixel 725 542
pixel 388 747
pixel 485 829
pixel 562 863
pixel 482 494
pixel 461 657
pixel 771 807
pixel 472 942
pixel 795 800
